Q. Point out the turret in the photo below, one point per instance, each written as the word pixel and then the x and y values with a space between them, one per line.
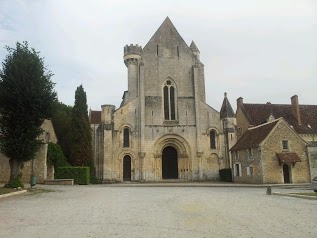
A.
pixel 132 55
pixel 195 50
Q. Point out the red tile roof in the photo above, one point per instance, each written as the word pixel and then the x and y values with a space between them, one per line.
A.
pixel 289 157
pixel 259 113
pixel 95 117
pixel 254 136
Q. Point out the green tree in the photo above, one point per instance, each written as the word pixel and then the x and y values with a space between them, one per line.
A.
pixel 26 99
pixel 81 149
pixel 62 120
pixel 55 156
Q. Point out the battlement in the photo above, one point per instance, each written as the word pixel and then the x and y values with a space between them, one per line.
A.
pixel 132 49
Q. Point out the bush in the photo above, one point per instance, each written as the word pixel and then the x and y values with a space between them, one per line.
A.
pixel 80 175
pixel 225 175
pixel 55 156
pixel 15 183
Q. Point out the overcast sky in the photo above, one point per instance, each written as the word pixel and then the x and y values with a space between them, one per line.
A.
pixel 263 50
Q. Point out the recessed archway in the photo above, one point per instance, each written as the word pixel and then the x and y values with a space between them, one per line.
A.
pixel 169 163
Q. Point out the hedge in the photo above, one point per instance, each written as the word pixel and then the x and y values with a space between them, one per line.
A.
pixel 225 175
pixel 80 175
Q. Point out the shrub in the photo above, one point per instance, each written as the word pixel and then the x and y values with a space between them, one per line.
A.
pixel 225 175
pixel 15 183
pixel 80 175
pixel 55 156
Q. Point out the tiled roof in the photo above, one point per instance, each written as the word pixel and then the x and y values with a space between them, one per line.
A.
pixel 95 117
pixel 259 113
pixel 288 157
pixel 254 136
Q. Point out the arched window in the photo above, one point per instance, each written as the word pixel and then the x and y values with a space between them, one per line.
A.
pixel 213 138
pixel 169 101
pixel 126 137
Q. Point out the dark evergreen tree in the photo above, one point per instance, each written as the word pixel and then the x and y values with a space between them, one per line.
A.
pixel 26 99
pixel 62 121
pixel 81 149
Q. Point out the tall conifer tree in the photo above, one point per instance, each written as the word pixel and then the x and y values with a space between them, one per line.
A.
pixel 81 149
pixel 26 99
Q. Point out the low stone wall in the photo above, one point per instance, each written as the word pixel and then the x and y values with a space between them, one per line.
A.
pixel 59 182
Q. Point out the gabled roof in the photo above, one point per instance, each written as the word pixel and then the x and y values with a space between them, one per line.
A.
pixel 226 110
pixel 166 33
pixel 95 117
pixel 254 136
pixel 259 113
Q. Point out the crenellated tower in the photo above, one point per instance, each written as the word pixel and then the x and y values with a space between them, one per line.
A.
pixel 132 56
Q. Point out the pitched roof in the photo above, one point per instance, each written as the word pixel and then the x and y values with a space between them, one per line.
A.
pixel 259 113
pixel 166 33
pixel 289 157
pixel 95 117
pixel 226 110
pixel 254 136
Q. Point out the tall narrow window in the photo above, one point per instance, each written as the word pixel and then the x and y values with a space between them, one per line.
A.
pixel 212 139
pixel 156 50
pixel 177 52
pixel 169 101
pixel 126 137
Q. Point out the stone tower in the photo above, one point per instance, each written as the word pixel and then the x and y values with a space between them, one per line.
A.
pixel 132 55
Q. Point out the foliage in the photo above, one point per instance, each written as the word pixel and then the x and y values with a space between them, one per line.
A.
pixel 225 175
pixel 61 119
pixel 79 174
pixel 81 149
pixel 26 99
pixel 55 156
pixel 15 183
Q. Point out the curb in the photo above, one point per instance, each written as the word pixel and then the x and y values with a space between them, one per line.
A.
pixel 295 196
pixel 12 194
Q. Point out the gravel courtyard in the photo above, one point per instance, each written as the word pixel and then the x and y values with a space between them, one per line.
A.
pixel 117 211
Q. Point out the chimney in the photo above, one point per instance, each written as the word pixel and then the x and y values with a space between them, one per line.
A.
pixel 239 102
pixel 295 108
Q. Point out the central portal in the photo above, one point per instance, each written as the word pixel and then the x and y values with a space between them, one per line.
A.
pixel 169 163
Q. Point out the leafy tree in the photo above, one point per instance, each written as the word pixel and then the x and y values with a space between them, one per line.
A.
pixel 55 156
pixel 81 149
pixel 62 120
pixel 26 99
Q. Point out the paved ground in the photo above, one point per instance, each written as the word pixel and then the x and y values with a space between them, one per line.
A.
pixel 117 211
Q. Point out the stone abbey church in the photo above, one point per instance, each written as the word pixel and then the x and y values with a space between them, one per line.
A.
pixel 163 129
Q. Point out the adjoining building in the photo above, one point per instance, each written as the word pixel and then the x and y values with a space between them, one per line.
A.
pixel 271 153
pixel 301 119
pixel 163 129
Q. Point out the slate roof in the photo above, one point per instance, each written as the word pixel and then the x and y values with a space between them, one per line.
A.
pixel 226 110
pixel 254 136
pixel 289 157
pixel 95 117
pixel 259 113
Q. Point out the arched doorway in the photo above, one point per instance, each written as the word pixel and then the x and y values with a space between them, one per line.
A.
pixel 286 173
pixel 169 163
pixel 126 168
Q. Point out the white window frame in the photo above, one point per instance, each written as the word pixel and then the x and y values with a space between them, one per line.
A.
pixel 239 172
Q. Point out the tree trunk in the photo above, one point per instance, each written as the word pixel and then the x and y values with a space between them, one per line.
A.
pixel 16 168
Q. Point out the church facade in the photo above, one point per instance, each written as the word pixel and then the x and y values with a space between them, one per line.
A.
pixel 163 129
